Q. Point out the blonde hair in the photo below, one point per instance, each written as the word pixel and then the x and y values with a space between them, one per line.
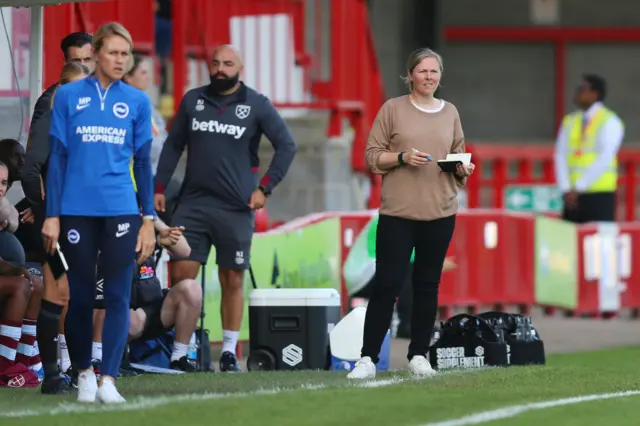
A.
pixel 69 71
pixel 111 29
pixel 72 70
pixel 415 58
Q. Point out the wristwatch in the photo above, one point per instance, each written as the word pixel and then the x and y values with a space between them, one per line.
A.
pixel 264 190
pixel 400 159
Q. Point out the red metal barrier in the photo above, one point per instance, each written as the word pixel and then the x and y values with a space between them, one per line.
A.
pixel 138 17
pixel 494 262
pixel 630 298
pixel 494 252
pixel 494 162
pixel 587 289
pixel 351 224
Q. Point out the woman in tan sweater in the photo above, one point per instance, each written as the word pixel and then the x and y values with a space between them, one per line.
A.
pixel 418 210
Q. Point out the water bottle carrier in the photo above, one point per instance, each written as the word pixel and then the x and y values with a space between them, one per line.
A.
pixel 523 350
pixel 488 339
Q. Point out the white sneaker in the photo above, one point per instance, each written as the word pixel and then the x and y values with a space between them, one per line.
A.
pixel 364 369
pixel 87 386
pixel 420 366
pixel 108 394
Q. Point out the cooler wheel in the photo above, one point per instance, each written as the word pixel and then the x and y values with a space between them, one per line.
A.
pixel 261 360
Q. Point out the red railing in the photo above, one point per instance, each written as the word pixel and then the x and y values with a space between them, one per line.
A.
pixel 560 37
pixel 291 59
pixel 302 54
pixel 495 161
pixel 136 16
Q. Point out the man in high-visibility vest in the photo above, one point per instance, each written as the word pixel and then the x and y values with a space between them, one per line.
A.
pixel 586 155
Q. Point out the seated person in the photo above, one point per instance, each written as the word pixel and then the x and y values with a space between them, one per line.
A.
pixel 20 295
pixel 21 291
pixel 12 153
pixel 155 311
pixel 12 156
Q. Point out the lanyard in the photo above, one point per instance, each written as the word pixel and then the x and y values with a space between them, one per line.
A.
pixel 585 127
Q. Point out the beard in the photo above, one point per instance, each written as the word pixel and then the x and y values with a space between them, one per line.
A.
pixel 219 85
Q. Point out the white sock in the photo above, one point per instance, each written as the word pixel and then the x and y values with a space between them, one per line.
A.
pixel 229 341
pixel 179 350
pixel 65 361
pixel 96 351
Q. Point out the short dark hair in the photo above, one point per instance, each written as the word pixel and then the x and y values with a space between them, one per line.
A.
pixel 597 84
pixel 77 39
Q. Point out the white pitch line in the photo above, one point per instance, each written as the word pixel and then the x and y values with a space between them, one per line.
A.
pixel 516 410
pixel 143 403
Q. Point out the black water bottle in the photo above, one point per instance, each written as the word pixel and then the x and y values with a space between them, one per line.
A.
pixel 520 329
pixel 498 326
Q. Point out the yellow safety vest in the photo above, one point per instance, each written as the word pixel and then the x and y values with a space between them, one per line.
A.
pixel 583 153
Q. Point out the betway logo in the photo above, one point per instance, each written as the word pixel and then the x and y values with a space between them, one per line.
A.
pixel 214 126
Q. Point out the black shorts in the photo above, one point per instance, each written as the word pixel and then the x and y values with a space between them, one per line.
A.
pixel 229 231
pixel 153 326
pixel 593 207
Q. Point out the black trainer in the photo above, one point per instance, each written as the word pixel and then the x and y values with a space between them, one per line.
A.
pixel 229 363
pixel 96 364
pixel 56 385
pixel 71 377
pixel 183 364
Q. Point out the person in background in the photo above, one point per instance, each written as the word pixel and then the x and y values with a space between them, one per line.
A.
pixel 20 295
pixel 76 47
pixel 92 203
pixel 586 152
pixel 418 209
pixel 140 78
pixel 163 39
pixel 154 311
pixel 221 126
pixel 56 292
pixel 12 155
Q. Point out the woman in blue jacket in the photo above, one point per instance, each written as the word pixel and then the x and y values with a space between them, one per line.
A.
pixel 97 125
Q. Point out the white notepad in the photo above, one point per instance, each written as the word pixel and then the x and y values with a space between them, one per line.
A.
pixel 450 163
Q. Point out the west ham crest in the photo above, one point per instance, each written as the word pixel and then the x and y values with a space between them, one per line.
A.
pixel 242 111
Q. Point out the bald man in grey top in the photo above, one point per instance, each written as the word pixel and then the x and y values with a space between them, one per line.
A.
pixel 221 126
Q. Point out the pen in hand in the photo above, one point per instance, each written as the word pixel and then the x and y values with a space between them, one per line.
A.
pixel 427 157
